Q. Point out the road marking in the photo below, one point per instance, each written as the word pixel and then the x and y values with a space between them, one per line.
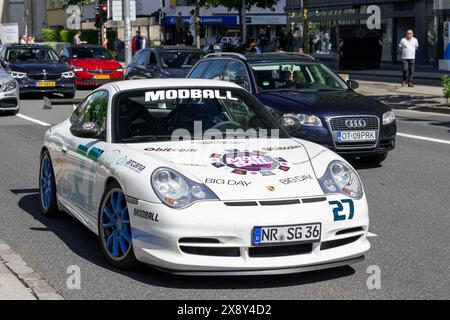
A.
pixel 39 122
pixel 371 235
pixel 412 136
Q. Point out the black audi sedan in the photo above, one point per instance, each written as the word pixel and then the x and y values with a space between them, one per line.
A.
pixel 327 109
pixel 38 69
pixel 163 62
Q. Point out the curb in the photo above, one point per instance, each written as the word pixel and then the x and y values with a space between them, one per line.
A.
pixel 38 286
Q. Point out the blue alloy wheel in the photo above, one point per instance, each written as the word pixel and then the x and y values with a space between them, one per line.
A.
pixel 47 187
pixel 115 228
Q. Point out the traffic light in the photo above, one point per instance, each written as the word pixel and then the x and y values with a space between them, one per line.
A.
pixel 101 13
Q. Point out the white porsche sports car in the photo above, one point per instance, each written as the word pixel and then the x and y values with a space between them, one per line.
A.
pixel 196 177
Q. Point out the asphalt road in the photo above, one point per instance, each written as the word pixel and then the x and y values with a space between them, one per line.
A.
pixel 409 201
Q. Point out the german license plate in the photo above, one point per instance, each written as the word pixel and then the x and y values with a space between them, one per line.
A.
pixel 101 76
pixel 44 84
pixel 286 234
pixel 344 136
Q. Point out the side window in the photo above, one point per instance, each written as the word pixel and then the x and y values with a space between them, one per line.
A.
pixel 199 70
pixel 153 59
pixel 215 70
pixel 65 53
pixel 143 58
pixel 236 72
pixel 93 109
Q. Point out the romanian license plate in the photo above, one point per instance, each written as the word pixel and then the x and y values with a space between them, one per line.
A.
pixel 46 84
pixel 286 234
pixel 101 76
pixel 344 136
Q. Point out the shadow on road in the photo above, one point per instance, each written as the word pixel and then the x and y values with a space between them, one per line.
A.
pixel 85 244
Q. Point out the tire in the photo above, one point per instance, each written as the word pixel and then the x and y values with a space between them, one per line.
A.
pixel 377 159
pixel 69 95
pixel 47 186
pixel 114 229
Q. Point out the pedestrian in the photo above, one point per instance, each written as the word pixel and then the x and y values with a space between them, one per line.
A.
pixel 120 49
pixel 192 26
pixel 137 41
pixel 408 47
pixel 77 38
pixel 24 39
pixel 283 40
pixel 179 27
pixel 189 39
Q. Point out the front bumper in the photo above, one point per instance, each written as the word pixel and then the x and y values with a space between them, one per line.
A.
pixel 323 136
pixel 85 78
pixel 176 241
pixel 62 86
pixel 9 101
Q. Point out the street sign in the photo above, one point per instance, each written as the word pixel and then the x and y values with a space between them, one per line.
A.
pixel 9 33
pixel 117 10
pixel 73 17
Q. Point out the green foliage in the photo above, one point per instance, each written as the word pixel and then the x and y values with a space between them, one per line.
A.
pixel 67 3
pixel 67 35
pixel 49 35
pixel 237 4
pixel 445 80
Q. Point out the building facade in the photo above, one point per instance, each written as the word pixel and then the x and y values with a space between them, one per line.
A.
pixel 425 17
pixel 29 14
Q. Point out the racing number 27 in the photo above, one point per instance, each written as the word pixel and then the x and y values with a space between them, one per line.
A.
pixel 338 210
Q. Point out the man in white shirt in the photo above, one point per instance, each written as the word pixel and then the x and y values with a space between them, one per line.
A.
pixel 408 47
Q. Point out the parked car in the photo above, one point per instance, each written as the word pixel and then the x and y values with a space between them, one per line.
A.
pixel 38 69
pixel 210 204
pixel 93 65
pixel 330 111
pixel 163 62
pixel 9 93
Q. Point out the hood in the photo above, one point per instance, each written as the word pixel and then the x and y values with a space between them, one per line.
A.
pixel 324 104
pixel 38 67
pixel 95 63
pixel 175 73
pixel 240 169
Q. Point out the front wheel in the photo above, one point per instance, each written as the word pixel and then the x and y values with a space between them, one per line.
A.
pixel 115 229
pixel 47 186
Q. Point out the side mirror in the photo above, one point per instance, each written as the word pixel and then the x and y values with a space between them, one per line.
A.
pixel 290 124
pixel 85 130
pixel 353 84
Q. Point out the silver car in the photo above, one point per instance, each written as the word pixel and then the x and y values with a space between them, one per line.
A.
pixel 9 93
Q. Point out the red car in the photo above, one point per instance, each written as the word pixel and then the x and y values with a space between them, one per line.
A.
pixel 93 65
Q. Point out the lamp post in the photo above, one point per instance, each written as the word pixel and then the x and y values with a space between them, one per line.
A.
pixel 304 5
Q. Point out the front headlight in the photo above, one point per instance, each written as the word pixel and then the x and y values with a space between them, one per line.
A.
pixel 119 69
pixel 68 74
pixel 177 191
pixel 306 119
pixel 18 75
pixel 341 178
pixel 388 117
pixel 9 86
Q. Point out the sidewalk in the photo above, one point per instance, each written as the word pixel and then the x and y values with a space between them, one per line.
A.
pixel 419 97
pixel 18 281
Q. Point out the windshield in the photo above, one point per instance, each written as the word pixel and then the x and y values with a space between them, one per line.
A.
pixel 15 55
pixel 296 76
pixel 180 59
pixel 201 113
pixel 91 53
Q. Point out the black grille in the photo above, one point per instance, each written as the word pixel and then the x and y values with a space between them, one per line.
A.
pixel 278 251
pixel 96 81
pixel 198 240
pixel 337 243
pixel 212 251
pixel 42 76
pixel 101 71
pixel 362 144
pixel 338 124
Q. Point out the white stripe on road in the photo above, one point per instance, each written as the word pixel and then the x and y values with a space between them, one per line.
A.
pixel 371 235
pixel 412 136
pixel 39 122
